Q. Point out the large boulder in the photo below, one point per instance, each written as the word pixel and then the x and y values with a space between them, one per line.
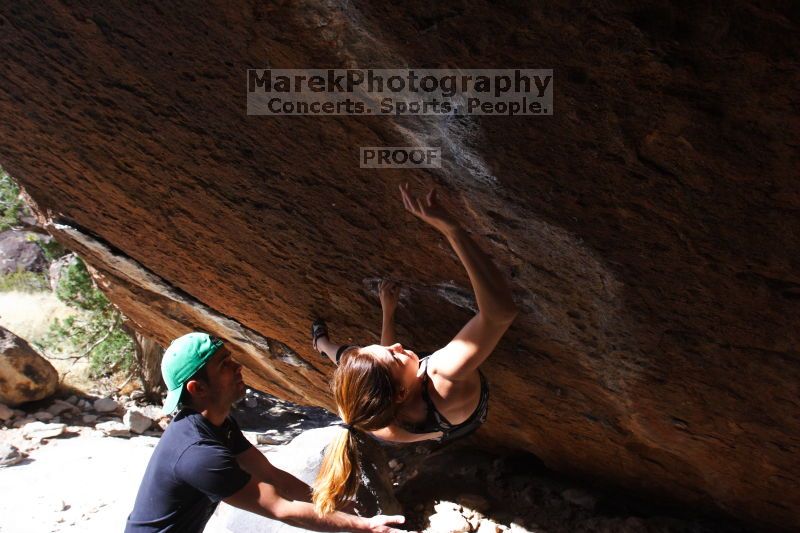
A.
pixel 25 375
pixel 648 224
pixel 20 253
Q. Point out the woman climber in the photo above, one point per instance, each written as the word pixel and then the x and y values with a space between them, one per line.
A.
pixel 390 392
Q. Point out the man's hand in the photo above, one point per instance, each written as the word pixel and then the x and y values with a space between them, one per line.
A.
pixel 379 524
pixel 428 210
pixel 389 292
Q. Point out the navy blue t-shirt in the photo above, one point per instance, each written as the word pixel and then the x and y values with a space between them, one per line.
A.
pixel 192 468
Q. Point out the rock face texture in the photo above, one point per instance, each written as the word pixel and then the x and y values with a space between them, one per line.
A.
pixel 25 376
pixel 650 226
pixel 18 253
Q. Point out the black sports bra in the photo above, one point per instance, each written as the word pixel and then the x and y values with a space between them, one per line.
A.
pixel 434 421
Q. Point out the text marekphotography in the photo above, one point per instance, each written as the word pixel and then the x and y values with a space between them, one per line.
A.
pixel 505 92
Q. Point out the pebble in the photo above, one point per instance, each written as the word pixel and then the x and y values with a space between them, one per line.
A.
pixel 6 413
pixel 73 400
pixel 268 440
pixel 448 521
pixel 105 405
pixel 113 428
pixel 444 506
pixel 59 407
pixel 43 416
pixel 10 455
pixel 137 422
pixel 487 526
pixel 89 419
pixel 250 402
pixel 40 430
pixel 23 422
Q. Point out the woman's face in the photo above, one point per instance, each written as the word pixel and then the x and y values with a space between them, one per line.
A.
pixel 404 363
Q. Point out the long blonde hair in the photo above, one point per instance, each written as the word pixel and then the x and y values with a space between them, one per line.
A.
pixel 364 392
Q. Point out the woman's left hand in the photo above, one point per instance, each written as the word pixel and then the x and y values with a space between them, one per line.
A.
pixel 389 293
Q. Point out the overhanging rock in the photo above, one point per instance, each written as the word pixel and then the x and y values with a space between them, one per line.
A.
pixel 649 225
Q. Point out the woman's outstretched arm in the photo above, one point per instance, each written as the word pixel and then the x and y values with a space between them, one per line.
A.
pixel 389 293
pixel 496 307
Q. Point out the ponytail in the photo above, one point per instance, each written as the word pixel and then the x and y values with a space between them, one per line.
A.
pixel 363 391
pixel 337 480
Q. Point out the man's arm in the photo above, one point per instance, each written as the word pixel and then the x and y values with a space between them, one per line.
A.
pixel 262 498
pixel 258 466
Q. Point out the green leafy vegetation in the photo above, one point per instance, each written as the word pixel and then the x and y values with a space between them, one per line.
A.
pixel 95 332
pixel 10 202
pixel 51 248
pixel 24 282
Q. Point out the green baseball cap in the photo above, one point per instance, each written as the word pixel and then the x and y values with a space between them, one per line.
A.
pixel 185 356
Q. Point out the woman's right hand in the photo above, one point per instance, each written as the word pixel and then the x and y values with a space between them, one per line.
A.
pixel 428 209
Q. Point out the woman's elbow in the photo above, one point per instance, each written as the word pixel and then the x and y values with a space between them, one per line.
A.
pixel 505 314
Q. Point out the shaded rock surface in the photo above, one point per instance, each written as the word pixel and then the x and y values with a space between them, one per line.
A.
pixel 25 375
pixel 648 225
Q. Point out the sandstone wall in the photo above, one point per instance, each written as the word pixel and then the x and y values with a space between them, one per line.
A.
pixel 650 226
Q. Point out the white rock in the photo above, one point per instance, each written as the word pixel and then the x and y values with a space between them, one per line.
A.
pixel 40 430
pixel 89 419
pixel 137 422
pixel 10 455
pixel 487 526
pixel 579 497
pixel 113 428
pixel 59 406
pixel 516 528
pixel 151 411
pixel 163 423
pixel 23 422
pixel 44 416
pixel 448 522
pixel 105 405
pixel 6 413
pixel 444 506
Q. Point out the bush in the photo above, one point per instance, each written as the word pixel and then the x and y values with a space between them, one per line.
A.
pixel 10 202
pixel 24 282
pixel 96 332
pixel 51 248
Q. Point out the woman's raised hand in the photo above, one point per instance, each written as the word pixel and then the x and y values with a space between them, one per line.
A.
pixel 428 209
pixel 389 292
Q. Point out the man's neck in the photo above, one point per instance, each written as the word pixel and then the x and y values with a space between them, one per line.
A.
pixel 214 414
